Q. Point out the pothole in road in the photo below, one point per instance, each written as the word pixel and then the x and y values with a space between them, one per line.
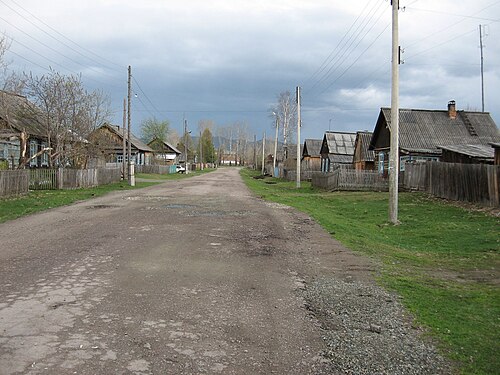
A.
pixel 100 206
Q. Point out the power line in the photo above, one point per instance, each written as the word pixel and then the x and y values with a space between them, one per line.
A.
pixel 60 34
pixel 327 59
pixel 454 15
pixel 46 45
pixel 344 49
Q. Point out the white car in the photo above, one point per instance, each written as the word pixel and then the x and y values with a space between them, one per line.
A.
pixel 180 169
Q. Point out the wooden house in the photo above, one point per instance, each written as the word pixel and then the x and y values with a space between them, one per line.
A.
pixel 164 152
pixel 23 136
pixel 107 143
pixel 337 148
pixel 496 147
pixel 311 155
pixel 468 154
pixel 422 133
pixel 364 158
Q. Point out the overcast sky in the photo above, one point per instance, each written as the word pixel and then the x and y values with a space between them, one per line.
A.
pixel 227 60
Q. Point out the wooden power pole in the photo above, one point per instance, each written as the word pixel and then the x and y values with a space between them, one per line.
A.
pixel 124 134
pixel 131 177
pixel 394 129
pixel 263 152
pixel 298 137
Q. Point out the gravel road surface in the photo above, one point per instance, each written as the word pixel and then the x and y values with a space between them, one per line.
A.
pixel 194 276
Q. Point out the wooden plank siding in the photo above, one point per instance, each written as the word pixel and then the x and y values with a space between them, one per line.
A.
pixel 476 183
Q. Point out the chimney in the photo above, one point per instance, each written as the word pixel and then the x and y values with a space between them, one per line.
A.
pixel 452 110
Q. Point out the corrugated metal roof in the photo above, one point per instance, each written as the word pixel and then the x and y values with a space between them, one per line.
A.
pixel 429 129
pixel 312 147
pixel 340 143
pixel 475 151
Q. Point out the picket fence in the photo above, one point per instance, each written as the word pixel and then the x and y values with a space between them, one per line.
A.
pixel 18 182
pixel 14 183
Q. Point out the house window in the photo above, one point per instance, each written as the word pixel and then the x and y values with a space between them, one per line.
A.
pixel 381 157
pixel 119 158
pixel 45 156
pixel 33 151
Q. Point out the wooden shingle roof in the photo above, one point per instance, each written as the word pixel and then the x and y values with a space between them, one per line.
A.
pixel 21 115
pixel 134 141
pixel 312 147
pixel 363 143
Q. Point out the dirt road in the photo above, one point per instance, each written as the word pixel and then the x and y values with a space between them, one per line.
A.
pixel 188 277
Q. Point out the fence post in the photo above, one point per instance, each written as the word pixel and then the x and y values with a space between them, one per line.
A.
pixel 60 178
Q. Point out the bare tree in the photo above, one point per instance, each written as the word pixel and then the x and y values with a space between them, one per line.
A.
pixel 285 108
pixel 68 112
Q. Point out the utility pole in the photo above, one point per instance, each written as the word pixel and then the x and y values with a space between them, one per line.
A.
pixel 298 137
pixel 185 147
pixel 124 134
pixel 275 144
pixel 255 152
pixel 482 65
pixel 263 152
pixel 131 177
pixel 201 153
pixel 394 129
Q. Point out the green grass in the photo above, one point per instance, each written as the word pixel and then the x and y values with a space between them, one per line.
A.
pixel 443 260
pixel 36 201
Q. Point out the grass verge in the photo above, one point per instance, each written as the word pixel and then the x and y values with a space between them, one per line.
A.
pixel 443 260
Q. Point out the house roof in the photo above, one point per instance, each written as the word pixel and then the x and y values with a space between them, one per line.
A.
pixel 167 145
pixel 134 141
pixel 474 151
pixel 338 143
pixel 363 143
pixel 20 114
pixel 426 130
pixel 312 147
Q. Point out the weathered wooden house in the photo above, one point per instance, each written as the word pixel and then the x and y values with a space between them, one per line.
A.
pixel 467 154
pixel 496 147
pixel 107 144
pixel 311 155
pixel 337 148
pixel 23 136
pixel 164 152
pixel 364 158
pixel 422 133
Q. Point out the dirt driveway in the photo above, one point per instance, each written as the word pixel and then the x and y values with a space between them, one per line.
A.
pixel 190 277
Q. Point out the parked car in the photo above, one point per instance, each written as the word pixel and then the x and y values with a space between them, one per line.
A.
pixel 180 169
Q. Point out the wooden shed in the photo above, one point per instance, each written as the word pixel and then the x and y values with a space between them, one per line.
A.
pixel 364 158
pixel 311 155
pixel 337 148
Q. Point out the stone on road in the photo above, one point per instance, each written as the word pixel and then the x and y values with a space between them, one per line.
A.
pixel 188 277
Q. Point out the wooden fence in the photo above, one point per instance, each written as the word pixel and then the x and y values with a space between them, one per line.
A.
pixel 14 183
pixel 350 179
pixel 477 183
pixel 155 169
pixel 19 181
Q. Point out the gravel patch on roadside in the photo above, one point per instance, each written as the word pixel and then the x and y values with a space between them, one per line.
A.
pixel 368 331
